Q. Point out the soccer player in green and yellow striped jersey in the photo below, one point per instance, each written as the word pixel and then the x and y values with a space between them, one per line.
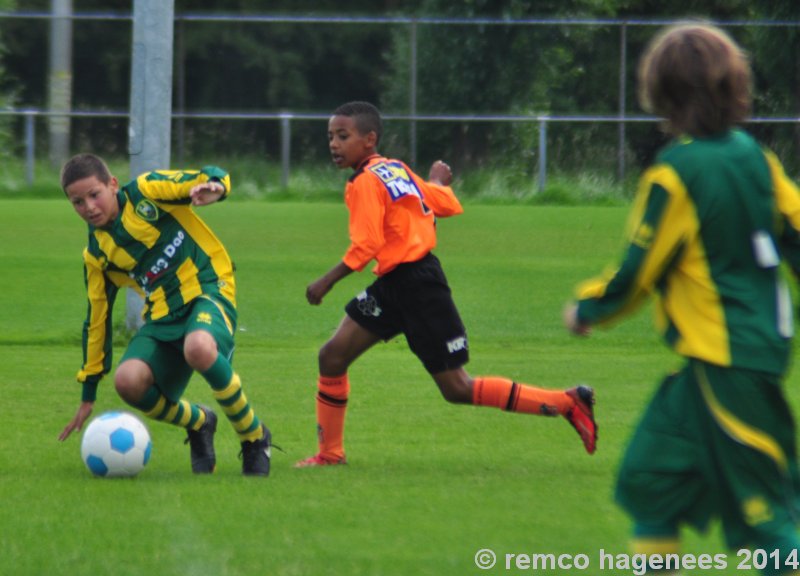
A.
pixel 147 236
pixel 713 218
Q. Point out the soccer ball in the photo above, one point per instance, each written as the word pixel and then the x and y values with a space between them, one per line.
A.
pixel 116 444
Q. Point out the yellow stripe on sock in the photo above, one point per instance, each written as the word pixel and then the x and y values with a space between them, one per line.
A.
pixel 251 436
pixel 186 414
pixel 165 411
pixel 201 419
pixel 669 545
pixel 240 414
pixel 244 424
pixel 233 388
pixel 230 390
pixel 171 413
pixel 157 409
pixel 236 407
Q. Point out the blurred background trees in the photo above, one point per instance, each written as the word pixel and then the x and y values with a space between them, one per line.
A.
pixel 506 67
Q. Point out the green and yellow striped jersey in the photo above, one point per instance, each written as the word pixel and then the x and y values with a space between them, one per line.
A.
pixel 161 248
pixel 712 219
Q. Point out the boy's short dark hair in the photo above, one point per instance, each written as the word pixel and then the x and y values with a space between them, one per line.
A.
pixel 84 166
pixel 696 77
pixel 366 116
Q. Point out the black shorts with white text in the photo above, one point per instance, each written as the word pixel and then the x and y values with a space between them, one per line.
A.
pixel 415 299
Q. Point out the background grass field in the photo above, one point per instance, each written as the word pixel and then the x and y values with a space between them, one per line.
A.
pixel 428 484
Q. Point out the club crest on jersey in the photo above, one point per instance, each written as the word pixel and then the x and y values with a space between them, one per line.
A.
pixel 146 210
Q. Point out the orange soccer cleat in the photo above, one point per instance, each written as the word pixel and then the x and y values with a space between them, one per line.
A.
pixel 320 460
pixel 581 416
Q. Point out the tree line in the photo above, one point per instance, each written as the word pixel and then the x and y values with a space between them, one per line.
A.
pixel 492 68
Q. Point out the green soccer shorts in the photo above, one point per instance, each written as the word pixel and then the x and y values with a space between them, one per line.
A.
pixel 160 344
pixel 715 442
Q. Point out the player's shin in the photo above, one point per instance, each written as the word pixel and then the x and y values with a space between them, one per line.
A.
pixel 513 397
pixel 181 413
pixel 237 408
pixel 227 389
pixel 332 394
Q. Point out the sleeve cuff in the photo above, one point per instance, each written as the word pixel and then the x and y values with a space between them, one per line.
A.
pixel 352 262
pixel 89 393
pixel 581 314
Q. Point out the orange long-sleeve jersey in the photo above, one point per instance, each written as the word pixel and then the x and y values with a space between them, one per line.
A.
pixel 393 214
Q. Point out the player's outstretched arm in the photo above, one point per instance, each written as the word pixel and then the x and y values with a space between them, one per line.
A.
pixel 76 424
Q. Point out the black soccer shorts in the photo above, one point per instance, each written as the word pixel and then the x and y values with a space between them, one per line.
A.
pixel 415 299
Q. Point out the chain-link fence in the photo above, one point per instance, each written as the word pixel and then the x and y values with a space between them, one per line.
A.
pixel 602 132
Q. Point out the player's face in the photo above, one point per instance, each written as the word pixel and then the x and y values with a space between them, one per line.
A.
pixel 347 145
pixel 94 201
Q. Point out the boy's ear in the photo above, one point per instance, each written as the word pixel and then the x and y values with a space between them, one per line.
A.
pixel 372 139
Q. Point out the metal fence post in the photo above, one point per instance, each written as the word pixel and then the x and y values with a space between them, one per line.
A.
pixel 412 96
pixel 623 73
pixel 286 148
pixel 542 153
pixel 30 145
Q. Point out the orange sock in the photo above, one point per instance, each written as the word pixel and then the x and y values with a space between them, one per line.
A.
pixel 332 396
pixel 507 395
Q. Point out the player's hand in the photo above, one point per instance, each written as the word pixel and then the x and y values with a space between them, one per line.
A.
pixel 316 291
pixel 76 424
pixel 440 173
pixel 572 323
pixel 206 193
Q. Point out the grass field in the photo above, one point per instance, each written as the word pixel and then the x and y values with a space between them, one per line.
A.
pixel 428 484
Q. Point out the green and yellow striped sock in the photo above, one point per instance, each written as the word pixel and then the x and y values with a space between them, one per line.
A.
pixel 227 389
pixel 182 413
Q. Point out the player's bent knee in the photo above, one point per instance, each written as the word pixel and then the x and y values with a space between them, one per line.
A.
pixel 132 380
pixel 200 350
pixel 451 396
pixel 455 391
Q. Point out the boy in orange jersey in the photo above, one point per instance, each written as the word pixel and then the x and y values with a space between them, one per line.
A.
pixel 393 221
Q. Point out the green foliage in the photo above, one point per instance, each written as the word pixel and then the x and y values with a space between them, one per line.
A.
pixel 255 179
pixel 8 97
pixel 525 69
pixel 498 67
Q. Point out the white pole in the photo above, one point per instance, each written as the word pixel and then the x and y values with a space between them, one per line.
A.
pixel 60 82
pixel 150 131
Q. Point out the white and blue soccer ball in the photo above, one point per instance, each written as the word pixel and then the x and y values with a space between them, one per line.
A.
pixel 116 444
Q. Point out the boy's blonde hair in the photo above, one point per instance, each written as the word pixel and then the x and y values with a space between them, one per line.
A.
pixel 696 77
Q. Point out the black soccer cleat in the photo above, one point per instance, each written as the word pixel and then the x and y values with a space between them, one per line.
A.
pixel 256 455
pixel 201 442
